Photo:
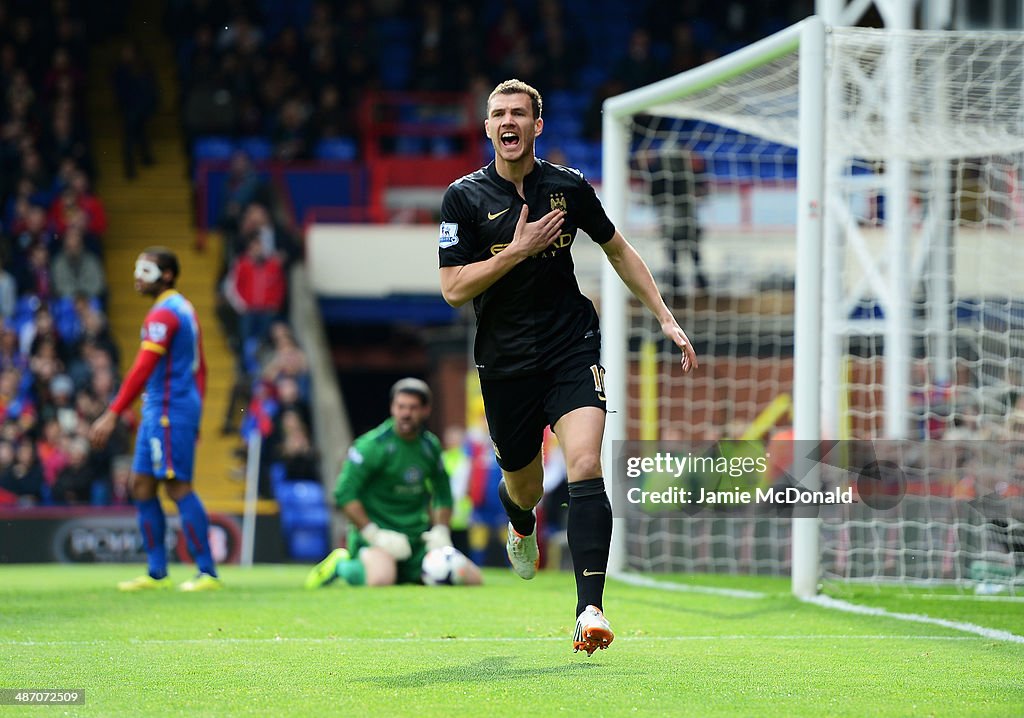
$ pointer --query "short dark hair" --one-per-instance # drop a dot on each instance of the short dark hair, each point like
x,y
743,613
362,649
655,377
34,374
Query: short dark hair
x,y
411,385
518,87
166,260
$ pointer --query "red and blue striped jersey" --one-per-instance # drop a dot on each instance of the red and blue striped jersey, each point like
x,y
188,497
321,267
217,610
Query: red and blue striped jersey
x,y
177,384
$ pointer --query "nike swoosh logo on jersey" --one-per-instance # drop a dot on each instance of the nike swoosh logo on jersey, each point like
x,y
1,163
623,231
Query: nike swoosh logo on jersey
x,y
497,214
588,572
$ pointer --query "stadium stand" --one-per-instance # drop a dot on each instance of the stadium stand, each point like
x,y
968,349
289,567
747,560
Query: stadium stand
x,y
287,111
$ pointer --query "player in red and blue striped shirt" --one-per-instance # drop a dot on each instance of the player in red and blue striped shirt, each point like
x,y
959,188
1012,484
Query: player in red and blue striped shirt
x,y
170,367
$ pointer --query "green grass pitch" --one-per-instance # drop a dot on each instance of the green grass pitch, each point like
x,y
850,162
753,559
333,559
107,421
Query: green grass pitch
x,y
266,647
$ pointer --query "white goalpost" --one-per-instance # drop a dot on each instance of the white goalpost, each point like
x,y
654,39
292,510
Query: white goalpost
x,y
835,214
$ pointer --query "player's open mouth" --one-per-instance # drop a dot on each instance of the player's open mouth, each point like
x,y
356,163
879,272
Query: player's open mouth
x,y
509,139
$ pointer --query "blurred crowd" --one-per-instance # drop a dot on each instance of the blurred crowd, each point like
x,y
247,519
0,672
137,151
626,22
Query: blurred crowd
x,y
296,72
58,360
271,389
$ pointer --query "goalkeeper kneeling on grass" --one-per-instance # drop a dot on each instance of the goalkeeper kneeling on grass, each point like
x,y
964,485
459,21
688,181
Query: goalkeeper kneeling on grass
x,y
397,497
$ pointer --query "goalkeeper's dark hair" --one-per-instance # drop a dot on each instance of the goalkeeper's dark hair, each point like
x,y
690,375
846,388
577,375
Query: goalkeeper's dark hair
x,y
411,385
518,87
166,260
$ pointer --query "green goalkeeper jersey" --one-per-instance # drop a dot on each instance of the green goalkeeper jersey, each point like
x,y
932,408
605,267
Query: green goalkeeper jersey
x,y
396,480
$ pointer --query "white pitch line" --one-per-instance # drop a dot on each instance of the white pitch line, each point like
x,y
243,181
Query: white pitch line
x,y
635,580
481,639
966,597
989,633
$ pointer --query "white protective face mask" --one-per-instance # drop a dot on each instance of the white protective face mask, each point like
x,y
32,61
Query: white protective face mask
x,y
147,271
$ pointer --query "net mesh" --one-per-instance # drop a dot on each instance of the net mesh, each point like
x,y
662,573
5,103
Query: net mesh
x,y
712,206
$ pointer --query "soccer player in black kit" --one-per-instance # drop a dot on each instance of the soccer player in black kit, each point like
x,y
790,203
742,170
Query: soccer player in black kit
x,y
505,239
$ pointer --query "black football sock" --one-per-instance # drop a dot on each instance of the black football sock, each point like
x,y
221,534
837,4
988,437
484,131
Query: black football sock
x,y
523,520
589,530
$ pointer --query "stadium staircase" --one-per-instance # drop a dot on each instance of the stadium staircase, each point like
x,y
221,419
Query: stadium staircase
x,y
155,209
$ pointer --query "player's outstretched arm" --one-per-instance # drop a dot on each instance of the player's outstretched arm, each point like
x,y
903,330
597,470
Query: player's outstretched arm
x,y
635,274
462,283
131,387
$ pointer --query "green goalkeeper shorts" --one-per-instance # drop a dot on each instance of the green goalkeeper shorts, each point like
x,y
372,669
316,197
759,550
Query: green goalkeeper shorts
x,y
409,571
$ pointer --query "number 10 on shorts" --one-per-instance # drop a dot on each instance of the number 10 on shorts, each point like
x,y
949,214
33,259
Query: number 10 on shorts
x,y
598,372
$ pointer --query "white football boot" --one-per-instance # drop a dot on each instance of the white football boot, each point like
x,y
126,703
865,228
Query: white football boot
x,y
592,631
523,553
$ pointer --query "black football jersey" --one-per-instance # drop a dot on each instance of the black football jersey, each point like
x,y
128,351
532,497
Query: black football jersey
x,y
535,316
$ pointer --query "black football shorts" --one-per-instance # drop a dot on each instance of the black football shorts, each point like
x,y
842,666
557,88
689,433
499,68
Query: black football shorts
x,y
519,408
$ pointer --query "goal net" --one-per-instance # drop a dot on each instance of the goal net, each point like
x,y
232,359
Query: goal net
x,y
919,344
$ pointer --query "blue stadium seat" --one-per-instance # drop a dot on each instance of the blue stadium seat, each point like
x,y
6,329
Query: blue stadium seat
x,y
309,544
258,148
26,306
563,126
65,318
345,149
300,493
395,65
577,150
442,146
298,517
305,518
212,148
410,145
563,102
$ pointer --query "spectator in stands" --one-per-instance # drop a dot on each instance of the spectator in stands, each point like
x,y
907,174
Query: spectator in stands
x,y
504,35
137,94
120,481
560,63
60,402
8,293
24,196
360,76
30,229
6,464
295,450
77,271
10,354
677,183
639,67
24,477
330,119
242,186
592,117
40,333
463,46
52,450
257,292
323,28
684,52
287,359
75,481
63,72
10,390
77,197
94,328
36,277
257,220
67,141
291,135
241,35
289,398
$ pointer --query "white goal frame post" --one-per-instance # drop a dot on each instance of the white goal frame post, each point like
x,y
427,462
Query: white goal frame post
x,y
821,229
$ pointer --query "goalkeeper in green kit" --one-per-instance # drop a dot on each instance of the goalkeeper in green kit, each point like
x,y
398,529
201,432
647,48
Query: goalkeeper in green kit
x,y
397,497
